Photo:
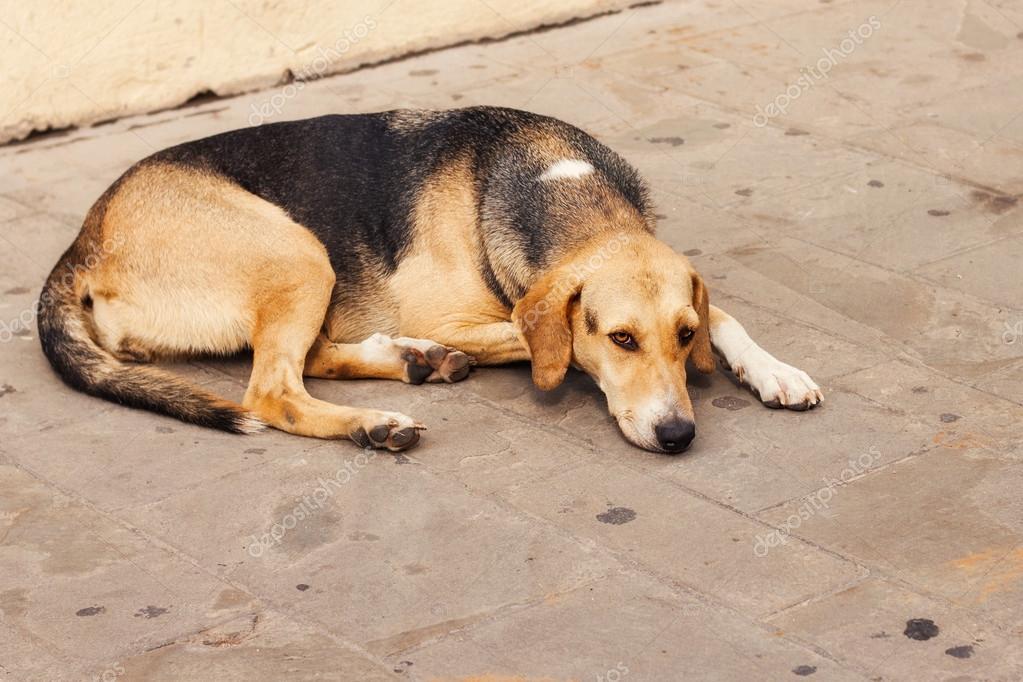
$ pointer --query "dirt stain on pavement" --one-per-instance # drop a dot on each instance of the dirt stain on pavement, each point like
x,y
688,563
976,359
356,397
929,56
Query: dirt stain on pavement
x,y
616,516
673,140
994,203
90,611
999,570
730,403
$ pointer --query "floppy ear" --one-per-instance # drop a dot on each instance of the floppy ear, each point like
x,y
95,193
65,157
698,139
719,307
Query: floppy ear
x,y
702,355
542,318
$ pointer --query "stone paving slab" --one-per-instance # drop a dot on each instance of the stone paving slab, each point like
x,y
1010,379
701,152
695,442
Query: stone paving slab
x,y
867,624
264,645
946,522
87,589
377,548
635,629
953,331
628,510
957,414
959,272
869,233
939,218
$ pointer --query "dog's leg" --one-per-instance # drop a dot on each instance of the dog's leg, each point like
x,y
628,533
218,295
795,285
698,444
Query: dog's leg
x,y
417,360
777,384
490,343
381,357
288,325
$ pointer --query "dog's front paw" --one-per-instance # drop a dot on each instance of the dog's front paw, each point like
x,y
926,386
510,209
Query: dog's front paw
x,y
778,384
387,430
432,362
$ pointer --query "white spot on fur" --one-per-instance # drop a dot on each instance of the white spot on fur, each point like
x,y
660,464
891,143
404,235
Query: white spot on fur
x,y
567,169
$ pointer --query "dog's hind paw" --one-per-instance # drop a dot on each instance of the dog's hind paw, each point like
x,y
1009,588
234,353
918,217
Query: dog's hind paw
x,y
387,430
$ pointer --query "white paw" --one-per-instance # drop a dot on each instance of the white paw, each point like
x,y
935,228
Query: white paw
x,y
778,384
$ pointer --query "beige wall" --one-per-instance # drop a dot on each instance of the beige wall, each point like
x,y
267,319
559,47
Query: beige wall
x,y
68,63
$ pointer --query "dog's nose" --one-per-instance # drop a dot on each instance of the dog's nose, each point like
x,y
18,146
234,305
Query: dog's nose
x,y
675,435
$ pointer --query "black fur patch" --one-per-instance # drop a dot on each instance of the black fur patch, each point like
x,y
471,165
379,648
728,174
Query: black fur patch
x,y
591,321
354,180
350,179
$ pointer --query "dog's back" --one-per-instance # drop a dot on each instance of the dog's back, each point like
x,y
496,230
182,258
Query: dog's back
x,y
355,180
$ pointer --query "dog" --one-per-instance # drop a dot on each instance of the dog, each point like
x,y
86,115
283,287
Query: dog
x,y
406,245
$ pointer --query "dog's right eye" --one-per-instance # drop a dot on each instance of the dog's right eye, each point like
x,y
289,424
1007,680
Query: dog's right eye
x,y
624,339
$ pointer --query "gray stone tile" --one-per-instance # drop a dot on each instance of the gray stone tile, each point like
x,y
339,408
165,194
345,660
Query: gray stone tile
x,y
263,646
375,548
635,514
87,589
76,154
947,523
891,215
945,329
993,163
954,415
67,201
864,627
11,209
26,657
989,110
1007,381
989,272
634,629
489,449
122,457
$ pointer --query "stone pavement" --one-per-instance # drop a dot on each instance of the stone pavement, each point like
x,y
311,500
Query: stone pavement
x,y
853,200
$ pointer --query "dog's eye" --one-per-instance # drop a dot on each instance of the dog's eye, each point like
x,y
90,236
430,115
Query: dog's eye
x,y
684,335
625,340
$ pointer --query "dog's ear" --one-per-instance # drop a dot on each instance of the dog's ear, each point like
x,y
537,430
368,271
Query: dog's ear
x,y
702,355
542,317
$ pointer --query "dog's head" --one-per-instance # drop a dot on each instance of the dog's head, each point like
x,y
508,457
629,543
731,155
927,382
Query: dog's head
x,y
629,312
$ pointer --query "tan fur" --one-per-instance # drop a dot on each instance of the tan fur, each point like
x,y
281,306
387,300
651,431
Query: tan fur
x,y
439,291
702,354
243,275
543,317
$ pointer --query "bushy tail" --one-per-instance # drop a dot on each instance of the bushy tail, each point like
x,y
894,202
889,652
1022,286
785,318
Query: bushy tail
x,y
64,331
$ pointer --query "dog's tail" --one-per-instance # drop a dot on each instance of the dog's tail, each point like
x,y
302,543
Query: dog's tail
x,y
65,333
